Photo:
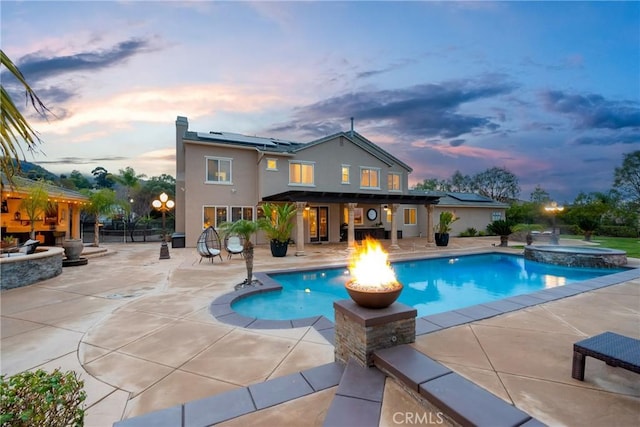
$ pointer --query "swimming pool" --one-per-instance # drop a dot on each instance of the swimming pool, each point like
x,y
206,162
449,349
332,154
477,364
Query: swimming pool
x,y
431,286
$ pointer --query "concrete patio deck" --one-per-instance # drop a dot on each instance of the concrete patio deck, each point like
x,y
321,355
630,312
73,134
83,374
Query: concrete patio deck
x,y
140,332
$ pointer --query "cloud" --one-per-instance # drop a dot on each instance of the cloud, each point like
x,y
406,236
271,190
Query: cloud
x,y
426,110
592,111
627,138
456,142
79,160
39,66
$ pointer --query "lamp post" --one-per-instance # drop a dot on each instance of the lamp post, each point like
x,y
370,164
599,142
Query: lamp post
x,y
163,205
553,209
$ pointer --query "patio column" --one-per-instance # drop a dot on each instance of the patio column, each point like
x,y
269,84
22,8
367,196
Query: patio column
x,y
74,214
300,228
351,233
430,231
394,226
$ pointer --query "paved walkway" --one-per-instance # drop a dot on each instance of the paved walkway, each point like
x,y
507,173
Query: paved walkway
x,y
139,331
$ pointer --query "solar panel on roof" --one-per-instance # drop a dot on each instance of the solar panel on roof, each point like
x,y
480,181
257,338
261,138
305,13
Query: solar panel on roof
x,y
236,137
469,197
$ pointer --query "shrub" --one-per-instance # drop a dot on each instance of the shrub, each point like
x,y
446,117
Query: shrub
x,y
469,232
41,398
499,228
617,231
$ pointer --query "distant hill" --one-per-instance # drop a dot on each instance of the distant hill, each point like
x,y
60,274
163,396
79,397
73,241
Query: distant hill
x,y
33,171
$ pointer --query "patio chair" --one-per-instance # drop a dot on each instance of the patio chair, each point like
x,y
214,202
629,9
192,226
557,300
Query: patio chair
x,y
614,349
234,246
208,245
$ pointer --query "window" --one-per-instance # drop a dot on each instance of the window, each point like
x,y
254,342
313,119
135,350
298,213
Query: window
x,y
219,170
214,216
410,216
272,164
393,182
301,173
345,174
370,178
496,216
241,212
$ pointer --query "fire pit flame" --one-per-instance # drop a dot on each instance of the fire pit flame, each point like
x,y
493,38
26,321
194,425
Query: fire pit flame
x,y
374,282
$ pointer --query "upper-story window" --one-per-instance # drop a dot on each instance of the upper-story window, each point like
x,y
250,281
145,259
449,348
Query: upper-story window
x,y
301,173
345,174
272,164
219,170
370,178
393,182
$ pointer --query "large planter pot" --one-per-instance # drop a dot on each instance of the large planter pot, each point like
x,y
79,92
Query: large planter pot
x,y
72,248
278,248
442,239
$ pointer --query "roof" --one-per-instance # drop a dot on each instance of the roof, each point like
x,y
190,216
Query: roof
x,y
467,200
335,197
22,185
277,145
363,143
230,138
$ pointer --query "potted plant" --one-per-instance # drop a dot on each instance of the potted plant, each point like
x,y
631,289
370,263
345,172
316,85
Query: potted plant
x,y
444,227
528,228
501,228
278,225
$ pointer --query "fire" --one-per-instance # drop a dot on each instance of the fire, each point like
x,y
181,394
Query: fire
x,y
370,268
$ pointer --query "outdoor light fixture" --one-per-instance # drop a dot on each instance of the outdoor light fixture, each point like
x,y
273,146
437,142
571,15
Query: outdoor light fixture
x,y
553,208
163,205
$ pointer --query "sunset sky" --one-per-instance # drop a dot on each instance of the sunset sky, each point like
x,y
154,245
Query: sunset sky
x,y
548,90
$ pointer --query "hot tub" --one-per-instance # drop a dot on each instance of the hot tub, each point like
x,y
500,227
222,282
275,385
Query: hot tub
x,y
576,256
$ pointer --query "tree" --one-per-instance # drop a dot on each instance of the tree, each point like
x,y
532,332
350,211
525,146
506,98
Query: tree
x,y
102,178
101,202
35,204
245,229
540,196
461,183
627,178
432,184
587,212
498,184
15,128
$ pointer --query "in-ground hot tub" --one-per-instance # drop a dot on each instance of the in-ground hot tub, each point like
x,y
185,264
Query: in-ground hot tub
x,y
576,256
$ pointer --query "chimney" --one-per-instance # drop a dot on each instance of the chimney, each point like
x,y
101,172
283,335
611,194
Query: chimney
x,y
351,127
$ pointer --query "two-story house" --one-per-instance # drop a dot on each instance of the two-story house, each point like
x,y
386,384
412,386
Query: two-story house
x,y
344,186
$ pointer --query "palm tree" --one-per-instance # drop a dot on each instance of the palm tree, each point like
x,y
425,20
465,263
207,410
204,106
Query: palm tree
x,y
245,229
100,202
15,127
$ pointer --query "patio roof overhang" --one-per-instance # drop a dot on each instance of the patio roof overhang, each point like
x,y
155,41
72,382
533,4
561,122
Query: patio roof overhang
x,y
334,197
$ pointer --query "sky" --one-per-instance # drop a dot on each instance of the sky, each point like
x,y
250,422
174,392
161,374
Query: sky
x,y
548,90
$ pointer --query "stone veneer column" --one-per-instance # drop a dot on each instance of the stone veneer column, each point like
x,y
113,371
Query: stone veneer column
x,y
360,331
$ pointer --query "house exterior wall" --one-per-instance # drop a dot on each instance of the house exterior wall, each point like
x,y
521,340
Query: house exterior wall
x,y
241,192
470,217
252,181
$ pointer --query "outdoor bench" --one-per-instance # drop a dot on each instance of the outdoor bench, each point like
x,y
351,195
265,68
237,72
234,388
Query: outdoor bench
x,y
614,349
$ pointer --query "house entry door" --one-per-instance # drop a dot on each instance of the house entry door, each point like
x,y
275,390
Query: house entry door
x,y
319,224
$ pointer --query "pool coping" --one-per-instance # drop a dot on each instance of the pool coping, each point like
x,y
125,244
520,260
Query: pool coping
x,y
221,309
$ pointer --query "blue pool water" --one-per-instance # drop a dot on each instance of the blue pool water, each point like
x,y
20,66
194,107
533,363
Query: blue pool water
x,y
430,285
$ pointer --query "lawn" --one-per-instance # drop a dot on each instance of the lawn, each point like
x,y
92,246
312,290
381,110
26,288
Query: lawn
x,y
630,245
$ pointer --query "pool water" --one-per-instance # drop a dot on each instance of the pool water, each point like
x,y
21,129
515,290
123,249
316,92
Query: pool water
x,y
430,285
